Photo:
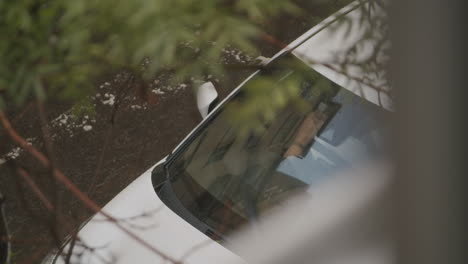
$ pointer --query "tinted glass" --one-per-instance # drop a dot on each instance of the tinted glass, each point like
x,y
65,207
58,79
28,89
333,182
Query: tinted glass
x,y
226,180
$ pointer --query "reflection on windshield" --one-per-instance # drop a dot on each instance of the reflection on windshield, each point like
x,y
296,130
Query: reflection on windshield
x,y
226,180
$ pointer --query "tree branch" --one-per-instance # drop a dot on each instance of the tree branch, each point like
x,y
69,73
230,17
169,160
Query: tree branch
x,y
75,190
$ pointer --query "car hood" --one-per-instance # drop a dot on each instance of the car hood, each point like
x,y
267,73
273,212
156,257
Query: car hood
x,y
140,210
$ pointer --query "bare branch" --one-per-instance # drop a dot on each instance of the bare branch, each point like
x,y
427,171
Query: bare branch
x,y
271,39
74,189
22,142
195,248
37,191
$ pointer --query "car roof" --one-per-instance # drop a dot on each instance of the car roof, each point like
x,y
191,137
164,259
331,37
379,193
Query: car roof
x,y
325,47
307,45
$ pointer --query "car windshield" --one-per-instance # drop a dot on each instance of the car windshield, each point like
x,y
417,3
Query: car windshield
x,y
226,180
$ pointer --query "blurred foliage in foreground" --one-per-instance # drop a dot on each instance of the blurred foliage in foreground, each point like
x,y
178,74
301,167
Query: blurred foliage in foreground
x,y
58,48
357,60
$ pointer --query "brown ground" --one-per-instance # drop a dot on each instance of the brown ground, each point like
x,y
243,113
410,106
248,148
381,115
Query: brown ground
x,y
144,131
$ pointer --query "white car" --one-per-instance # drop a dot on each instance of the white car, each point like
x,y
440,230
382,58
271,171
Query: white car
x,y
186,207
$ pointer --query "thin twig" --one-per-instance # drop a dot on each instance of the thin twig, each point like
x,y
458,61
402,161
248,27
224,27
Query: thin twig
x,y
22,142
35,256
59,219
122,92
22,113
37,191
271,39
74,189
25,241
193,249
